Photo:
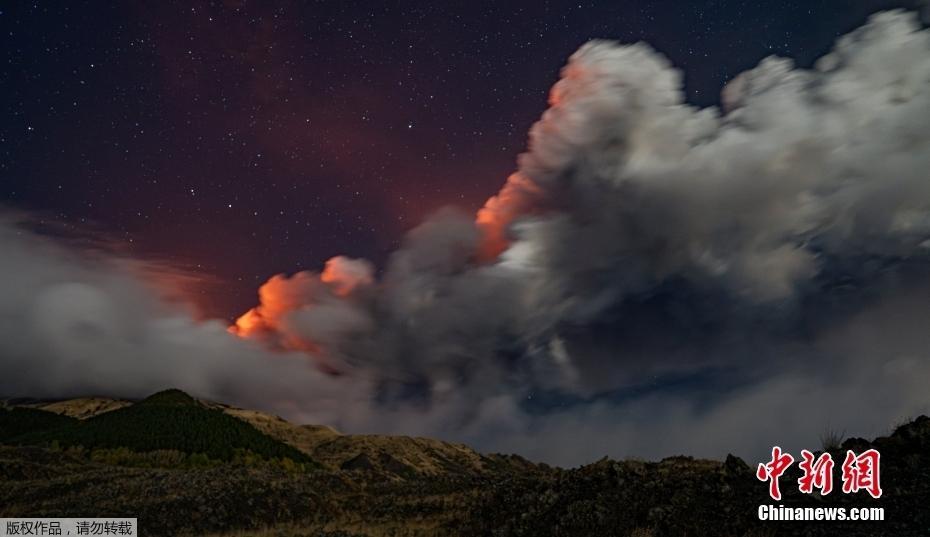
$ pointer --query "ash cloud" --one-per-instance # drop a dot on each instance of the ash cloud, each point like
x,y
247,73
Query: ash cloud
x,y
653,279
77,322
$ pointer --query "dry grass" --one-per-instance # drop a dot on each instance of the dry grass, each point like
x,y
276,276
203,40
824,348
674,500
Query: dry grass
x,y
83,408
332,448
831,439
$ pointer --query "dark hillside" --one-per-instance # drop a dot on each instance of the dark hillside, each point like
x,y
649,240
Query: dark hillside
x,y
17,421
169,420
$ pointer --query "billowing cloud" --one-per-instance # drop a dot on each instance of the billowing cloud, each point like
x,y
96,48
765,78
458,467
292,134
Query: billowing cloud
x,y
76,322
654,278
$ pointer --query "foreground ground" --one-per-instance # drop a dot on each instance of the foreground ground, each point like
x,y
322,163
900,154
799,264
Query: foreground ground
x,y
380,486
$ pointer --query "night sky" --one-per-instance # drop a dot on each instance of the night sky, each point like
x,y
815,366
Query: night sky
x,y
238,140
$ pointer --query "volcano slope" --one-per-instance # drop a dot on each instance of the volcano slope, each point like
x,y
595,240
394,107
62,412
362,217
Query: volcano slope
x,y
242,472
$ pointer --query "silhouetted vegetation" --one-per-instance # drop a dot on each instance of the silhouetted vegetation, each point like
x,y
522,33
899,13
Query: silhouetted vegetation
x,y
17,421
831,439
170,420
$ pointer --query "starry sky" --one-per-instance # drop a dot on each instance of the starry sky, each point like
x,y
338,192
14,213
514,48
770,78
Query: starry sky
x,y
237,140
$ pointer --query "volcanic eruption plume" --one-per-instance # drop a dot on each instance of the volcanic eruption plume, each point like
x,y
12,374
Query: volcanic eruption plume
x,y
652,279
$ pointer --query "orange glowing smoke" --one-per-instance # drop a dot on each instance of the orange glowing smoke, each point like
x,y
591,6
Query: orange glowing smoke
x,y
518,196
344,275
281,296
347,279
248,324
277,297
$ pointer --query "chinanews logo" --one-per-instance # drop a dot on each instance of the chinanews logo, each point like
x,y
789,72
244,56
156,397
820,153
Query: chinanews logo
x,y
860,472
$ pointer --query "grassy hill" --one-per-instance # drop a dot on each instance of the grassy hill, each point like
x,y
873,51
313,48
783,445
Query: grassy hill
x,y
18,421
386,455
169,420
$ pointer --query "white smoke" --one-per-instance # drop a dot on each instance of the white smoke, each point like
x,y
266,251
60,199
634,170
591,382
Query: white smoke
x,y
79,323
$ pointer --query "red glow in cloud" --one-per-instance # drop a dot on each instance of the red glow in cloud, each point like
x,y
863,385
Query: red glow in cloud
x,y
282,297
248,324
284,301
345,275
517,197
277,297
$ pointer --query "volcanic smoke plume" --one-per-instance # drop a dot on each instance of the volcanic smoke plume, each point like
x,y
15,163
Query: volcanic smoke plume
x,y
654,278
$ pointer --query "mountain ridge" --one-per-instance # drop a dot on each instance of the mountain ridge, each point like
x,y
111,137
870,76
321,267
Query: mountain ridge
x,y
392,456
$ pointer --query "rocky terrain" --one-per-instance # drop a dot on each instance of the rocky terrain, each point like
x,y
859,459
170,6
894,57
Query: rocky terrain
x,y
381,485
